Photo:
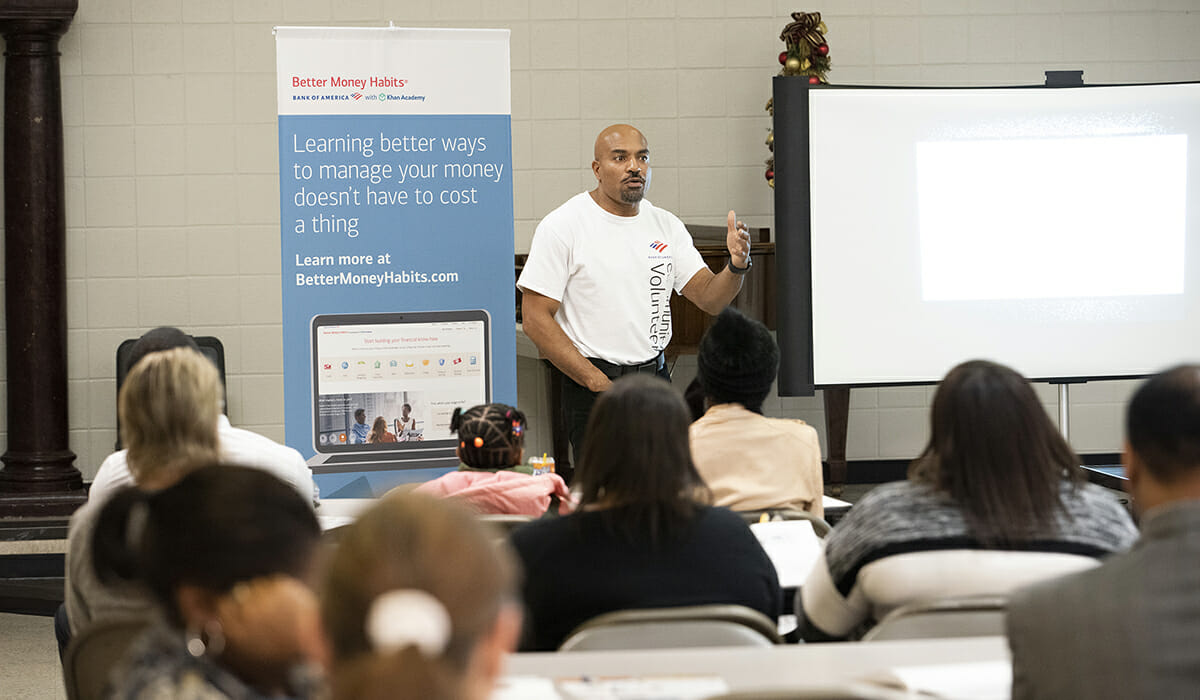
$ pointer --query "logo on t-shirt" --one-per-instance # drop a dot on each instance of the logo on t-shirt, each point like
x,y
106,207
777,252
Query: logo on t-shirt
x,y
659,246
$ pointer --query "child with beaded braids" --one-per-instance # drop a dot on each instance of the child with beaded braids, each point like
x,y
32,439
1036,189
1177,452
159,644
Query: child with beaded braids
x,y
491,478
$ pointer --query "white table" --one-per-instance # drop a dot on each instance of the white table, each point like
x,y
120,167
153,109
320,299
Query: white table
x,y
788,666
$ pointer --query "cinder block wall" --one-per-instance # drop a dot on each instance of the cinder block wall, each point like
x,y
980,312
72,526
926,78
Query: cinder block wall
x,y
171,160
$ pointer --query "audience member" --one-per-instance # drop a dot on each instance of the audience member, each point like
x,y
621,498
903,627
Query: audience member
x,y
490,477
643,536
418,603
749,461
1129,628
225,552
237,446
168,406
379,432
994,502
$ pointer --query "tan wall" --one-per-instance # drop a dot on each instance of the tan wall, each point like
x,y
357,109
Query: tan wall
x,y
171,157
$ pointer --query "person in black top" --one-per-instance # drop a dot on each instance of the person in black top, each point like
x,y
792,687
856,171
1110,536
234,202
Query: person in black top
x,y
644,535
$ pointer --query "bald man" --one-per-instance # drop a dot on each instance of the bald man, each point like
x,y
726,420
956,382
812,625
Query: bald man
x,y
601,269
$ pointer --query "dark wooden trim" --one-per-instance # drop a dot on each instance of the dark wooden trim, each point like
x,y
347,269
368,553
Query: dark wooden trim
x,y
39,476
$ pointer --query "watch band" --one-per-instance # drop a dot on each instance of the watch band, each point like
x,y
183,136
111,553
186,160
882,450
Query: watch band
x,y
739,270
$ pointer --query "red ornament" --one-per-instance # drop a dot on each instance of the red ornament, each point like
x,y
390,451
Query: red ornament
x,y
770,174
823,49
814,80
782,57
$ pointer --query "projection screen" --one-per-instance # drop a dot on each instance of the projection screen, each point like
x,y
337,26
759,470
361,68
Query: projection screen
x,y
1052,229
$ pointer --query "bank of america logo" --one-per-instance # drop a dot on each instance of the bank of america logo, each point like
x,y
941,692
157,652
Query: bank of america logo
x,y
659,246
357,95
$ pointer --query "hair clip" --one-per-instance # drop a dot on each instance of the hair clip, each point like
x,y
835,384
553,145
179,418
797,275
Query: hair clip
x,y
462,444
408,617
517,428
479,442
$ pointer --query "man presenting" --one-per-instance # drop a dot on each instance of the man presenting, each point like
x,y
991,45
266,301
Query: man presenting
x,y
601,268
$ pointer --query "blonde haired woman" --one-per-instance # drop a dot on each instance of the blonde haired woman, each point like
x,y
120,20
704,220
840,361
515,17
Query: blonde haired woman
x,y
168,407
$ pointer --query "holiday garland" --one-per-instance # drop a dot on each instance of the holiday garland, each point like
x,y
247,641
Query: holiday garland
x,y
807,54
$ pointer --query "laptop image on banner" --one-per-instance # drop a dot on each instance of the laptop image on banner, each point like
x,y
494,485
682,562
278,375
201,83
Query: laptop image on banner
x,y
385,385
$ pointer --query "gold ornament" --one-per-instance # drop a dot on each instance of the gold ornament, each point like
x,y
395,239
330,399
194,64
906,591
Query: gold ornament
x,y
792,65
770,138
805,64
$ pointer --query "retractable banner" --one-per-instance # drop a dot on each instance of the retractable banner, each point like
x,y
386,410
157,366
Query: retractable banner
x,y
396,216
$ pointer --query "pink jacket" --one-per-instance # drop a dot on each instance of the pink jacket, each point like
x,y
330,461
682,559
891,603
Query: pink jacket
x,y
502,492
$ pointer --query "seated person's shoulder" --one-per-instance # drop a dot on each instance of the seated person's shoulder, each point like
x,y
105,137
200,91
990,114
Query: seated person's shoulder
x,y
1094,513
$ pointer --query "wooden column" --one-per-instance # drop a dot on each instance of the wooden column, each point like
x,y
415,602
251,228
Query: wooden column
x,y
39,476
837,425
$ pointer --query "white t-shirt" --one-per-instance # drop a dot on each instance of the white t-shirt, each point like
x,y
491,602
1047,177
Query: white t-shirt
x,y
612,275
237,446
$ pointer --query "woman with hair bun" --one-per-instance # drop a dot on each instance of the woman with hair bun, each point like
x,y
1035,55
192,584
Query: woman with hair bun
x,y
419,603
490,478
225,553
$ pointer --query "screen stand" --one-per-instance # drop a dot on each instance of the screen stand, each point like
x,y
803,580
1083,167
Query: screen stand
x,y
1064,408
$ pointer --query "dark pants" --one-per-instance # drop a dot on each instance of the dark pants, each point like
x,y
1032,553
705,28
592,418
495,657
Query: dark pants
x,y
577,401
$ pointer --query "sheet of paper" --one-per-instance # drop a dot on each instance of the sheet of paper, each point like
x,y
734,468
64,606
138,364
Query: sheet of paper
x,y
793,547
978,680
648,688
525,688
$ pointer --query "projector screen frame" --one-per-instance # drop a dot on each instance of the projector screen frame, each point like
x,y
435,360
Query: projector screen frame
x,y
793,233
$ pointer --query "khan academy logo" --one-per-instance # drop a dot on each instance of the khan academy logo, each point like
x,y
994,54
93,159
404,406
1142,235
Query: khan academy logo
x,y
659,246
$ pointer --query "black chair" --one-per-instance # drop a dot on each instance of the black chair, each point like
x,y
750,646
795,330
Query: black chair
x,y
210,347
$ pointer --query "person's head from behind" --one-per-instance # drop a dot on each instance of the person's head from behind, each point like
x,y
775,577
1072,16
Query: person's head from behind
x,y
995,451
157,340
636,458
490,436
418,602
737,361
1162,438
169,406
227,552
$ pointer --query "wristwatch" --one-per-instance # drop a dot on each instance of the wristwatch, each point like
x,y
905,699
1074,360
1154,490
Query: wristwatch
x,y
739,270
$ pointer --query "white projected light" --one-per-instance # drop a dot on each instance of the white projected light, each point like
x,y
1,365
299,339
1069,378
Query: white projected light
x,y
1026,206
1053,230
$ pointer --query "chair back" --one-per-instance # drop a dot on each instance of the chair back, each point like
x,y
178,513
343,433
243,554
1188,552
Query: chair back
x,y
819,525
678,627
210,346
974,616
93,653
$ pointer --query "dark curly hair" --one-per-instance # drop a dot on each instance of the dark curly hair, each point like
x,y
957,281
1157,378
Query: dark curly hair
x,y
490,436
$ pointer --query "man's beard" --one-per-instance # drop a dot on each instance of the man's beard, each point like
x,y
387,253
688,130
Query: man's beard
x,y
633,196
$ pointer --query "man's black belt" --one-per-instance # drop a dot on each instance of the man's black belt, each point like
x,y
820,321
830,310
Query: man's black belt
x,y
612,370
